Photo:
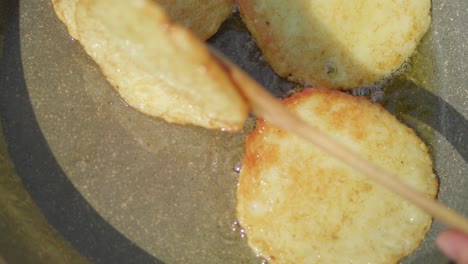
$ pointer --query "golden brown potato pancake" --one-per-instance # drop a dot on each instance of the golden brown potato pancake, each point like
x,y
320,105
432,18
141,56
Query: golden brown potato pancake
x,y
158,67
338,44
297,204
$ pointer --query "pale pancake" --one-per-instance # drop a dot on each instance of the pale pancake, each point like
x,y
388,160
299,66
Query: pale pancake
x,y
337,44
158,67
297,204
202,17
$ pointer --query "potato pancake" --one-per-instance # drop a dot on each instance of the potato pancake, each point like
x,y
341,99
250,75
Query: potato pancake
x,y
65,10
202,17
158,67
337,44
298,204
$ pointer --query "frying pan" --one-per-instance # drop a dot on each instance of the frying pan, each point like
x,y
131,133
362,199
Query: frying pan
x,y
84,178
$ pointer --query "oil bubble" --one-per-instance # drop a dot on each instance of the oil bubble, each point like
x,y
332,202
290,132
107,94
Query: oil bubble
x,y
237,167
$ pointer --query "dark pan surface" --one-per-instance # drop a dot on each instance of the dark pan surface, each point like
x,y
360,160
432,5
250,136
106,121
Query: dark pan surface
x,y
117,186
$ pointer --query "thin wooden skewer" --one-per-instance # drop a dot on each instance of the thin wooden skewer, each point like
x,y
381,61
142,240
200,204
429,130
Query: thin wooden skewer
x,y
267,106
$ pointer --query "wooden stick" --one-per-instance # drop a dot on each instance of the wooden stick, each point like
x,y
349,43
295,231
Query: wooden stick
x,y
267,106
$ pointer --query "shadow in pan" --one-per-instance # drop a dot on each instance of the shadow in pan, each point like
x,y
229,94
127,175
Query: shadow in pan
x,y
61,203
408,99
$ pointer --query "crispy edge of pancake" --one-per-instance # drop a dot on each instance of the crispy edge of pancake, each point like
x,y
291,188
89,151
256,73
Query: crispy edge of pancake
x,y
204,19
211,100
263,157
65,10
322,49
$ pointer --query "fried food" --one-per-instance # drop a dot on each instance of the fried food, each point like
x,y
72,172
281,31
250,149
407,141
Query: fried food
x,y
158,67
337,44
297,204
202,17
65,10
